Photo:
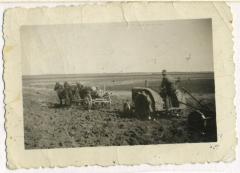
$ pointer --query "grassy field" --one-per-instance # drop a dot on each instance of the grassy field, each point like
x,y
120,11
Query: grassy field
x,y
47,126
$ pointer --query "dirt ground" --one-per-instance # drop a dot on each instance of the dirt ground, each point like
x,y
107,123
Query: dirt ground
x,y
46,125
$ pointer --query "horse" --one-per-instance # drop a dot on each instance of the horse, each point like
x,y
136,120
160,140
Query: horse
x,y
69,89
75,92
62,94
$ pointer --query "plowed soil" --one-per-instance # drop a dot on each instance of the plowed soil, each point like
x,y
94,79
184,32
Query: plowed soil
x,y
48,125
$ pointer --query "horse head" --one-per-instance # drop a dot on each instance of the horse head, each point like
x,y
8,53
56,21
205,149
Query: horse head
x,y
79,86
66,85
57,86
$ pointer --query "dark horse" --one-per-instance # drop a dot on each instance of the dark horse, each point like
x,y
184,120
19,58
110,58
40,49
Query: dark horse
x,y
63,94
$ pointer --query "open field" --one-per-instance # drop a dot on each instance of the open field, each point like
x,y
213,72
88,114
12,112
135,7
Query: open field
x,y
47,126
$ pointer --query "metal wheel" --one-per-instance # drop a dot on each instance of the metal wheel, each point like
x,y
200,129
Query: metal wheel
x,y
87,102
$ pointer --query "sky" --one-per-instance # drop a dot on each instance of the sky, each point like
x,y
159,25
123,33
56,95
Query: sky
x,y
177,45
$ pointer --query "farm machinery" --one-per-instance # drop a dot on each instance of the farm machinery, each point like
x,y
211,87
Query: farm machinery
x,y
202,117
86,96
89,102
147,103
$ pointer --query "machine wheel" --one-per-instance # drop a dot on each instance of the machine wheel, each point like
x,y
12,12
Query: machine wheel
x,y
87,102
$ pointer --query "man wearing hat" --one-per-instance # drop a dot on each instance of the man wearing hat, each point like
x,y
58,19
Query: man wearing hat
x,y
168,91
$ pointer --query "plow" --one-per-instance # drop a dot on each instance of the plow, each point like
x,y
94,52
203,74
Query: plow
x,y
100,102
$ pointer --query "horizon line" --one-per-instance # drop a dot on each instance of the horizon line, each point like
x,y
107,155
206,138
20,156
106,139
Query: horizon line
x,y
116,73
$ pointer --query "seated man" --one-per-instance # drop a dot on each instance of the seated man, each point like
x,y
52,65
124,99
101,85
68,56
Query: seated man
x,y
168,92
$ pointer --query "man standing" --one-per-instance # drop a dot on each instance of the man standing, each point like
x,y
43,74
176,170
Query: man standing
x,y
168,92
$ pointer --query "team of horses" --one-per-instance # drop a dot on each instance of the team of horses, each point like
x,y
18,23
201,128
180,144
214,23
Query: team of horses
x,y
74,93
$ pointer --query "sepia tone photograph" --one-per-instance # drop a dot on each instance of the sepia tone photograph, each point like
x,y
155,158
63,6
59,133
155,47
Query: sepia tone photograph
x,y
118,84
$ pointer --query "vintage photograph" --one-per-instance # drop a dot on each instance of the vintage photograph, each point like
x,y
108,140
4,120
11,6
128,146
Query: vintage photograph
x,y
118,84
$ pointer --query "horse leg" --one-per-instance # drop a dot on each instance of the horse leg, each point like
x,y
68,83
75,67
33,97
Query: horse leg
x,y
60,99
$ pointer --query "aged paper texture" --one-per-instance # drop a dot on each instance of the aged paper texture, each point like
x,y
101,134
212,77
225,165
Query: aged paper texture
x,y
24,56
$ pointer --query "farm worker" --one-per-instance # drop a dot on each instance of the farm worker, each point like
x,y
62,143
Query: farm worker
x,y
168,91
94,92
